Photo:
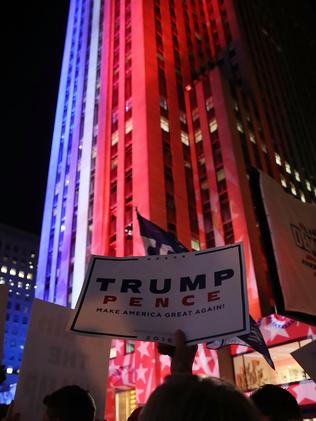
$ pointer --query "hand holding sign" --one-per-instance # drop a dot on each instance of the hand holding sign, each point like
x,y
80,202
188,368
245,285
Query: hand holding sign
x,y
182,355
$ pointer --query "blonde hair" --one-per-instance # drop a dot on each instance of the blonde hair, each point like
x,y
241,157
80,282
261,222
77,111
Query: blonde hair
x,y
188,397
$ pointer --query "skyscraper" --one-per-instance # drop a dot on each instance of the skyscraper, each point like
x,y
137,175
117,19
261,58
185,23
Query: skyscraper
x,y
166,105
18,261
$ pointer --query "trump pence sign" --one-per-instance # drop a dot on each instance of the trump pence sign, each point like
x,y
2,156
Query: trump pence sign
x,y
149,298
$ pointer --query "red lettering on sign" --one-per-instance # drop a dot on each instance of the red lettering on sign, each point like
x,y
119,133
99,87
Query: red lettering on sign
x,y
213,296
135,301
162,302
186,302
109,298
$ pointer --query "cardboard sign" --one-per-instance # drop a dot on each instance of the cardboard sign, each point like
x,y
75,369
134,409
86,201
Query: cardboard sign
x,y
54,358
149,298
306,357
292,226
3,312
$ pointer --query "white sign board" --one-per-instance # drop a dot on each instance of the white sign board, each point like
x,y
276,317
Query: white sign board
x,y
292,225
149,298
306,357
3,313
54,358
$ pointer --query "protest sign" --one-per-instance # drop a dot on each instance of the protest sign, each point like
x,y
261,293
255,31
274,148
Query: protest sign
x,y
306,357
54,358
292,228
3,312
148,298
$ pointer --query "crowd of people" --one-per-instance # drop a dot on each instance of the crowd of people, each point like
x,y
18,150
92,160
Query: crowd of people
x,y
182,397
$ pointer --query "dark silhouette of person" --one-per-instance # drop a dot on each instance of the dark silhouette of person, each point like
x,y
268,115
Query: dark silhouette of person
x,y
70,403
276,404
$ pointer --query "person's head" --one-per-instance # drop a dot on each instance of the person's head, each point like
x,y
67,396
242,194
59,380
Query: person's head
x,y
186,398
69,403
276,403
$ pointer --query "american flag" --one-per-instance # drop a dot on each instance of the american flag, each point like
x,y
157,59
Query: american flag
x,y
159,242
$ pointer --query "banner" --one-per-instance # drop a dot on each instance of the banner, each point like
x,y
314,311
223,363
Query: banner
x,y
306,357
292,228
3,312
54,358
149,298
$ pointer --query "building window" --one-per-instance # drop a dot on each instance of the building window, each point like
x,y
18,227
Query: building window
x,y
115,137
128,105
195,114
128,85
220,175
163,103
125,403
302,195
128,126
13,271
240,127
264,147
293,189
283,181
113,196
213,126
308,185
185,138
197,136
278,159
297,175
113,352
164,124
4,269
209,103
129,347
183,117
195,244
287,167
252,371
252,137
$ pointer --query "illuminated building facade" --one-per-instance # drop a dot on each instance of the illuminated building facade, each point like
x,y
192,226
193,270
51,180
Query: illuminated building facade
x,y
18,261
165,105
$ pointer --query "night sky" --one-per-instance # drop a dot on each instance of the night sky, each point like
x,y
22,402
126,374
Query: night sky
x,y
33,34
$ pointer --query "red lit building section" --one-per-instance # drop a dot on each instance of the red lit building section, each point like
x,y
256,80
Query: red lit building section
x,y
186,120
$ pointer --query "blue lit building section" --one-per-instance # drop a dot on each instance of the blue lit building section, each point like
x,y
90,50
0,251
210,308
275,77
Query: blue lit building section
x,y
18,261
65,229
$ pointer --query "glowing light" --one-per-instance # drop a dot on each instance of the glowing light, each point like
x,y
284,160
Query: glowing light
x,y
278,159
283,181
4,269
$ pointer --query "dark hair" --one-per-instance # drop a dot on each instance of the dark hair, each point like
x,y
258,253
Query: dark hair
x,y
70,403
187,398
276,403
